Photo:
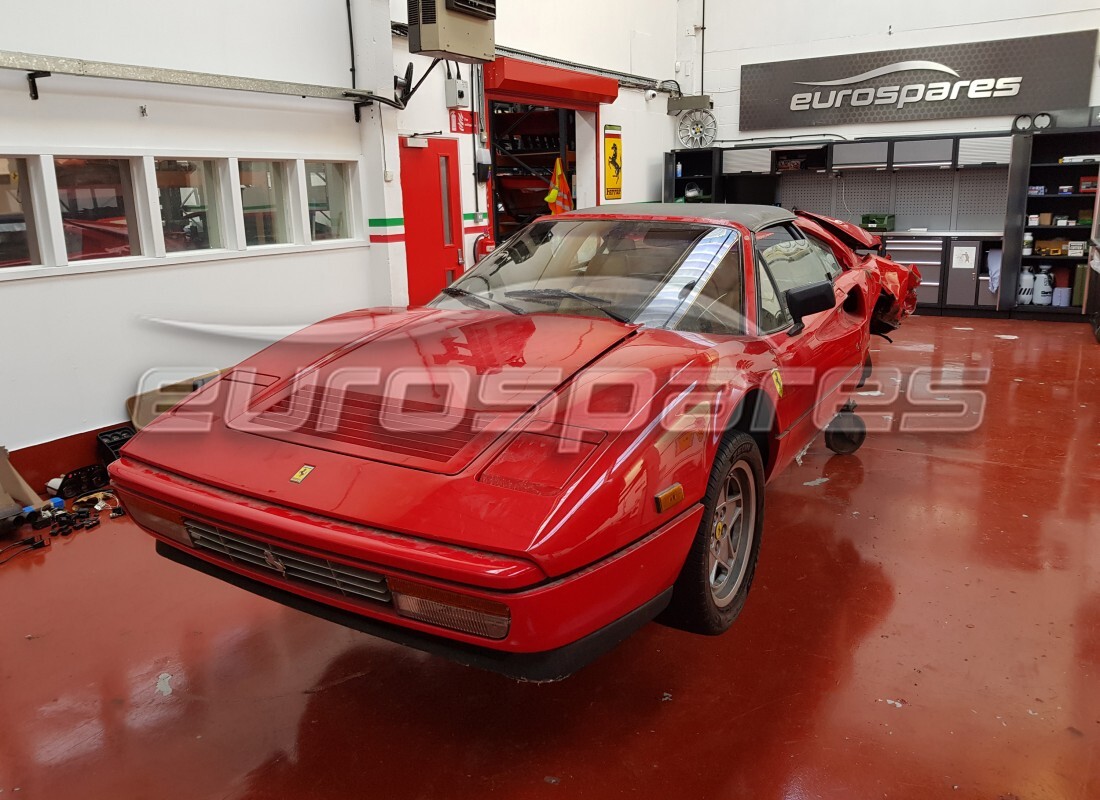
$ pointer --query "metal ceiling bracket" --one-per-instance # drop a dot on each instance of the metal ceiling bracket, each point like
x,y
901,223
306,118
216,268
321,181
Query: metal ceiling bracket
x,y
359,107
32,81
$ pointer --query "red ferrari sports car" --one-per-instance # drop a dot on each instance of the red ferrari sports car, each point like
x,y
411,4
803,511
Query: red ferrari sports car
x,y
570,441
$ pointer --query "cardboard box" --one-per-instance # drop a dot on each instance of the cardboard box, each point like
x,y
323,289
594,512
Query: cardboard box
x,y
1046,218
13,489
1079,281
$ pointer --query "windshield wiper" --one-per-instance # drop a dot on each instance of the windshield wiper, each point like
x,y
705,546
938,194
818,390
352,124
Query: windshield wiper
x,y
477,301
549,295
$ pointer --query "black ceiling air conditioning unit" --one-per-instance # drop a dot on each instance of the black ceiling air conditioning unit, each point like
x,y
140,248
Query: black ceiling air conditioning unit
x,y
459,30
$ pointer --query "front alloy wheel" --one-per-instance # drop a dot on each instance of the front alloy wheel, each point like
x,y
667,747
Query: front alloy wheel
x,y
732,534
717,573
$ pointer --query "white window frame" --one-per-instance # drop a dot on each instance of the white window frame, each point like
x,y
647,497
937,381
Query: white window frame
x,y
149,234
352,196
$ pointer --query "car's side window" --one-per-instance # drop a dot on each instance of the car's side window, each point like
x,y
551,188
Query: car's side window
x,y
771,314
825,253
719,307
792,260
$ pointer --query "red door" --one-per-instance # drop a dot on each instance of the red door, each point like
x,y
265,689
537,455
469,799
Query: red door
x,y
433,215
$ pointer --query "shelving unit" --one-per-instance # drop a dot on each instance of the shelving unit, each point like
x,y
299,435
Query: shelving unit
x,y
700,169
1047,170
526,141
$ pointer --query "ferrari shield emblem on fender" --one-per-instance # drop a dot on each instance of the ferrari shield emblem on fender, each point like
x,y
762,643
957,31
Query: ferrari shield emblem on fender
x,y
302,474
778,381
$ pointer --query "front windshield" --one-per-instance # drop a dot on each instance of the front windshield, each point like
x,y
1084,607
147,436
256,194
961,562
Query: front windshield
x,y
631,270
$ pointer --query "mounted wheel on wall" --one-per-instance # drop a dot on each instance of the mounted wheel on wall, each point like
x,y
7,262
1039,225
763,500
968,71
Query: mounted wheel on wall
x,y
697,128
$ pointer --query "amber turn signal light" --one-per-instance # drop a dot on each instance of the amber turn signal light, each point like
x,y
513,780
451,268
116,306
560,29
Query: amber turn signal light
x,y
673,495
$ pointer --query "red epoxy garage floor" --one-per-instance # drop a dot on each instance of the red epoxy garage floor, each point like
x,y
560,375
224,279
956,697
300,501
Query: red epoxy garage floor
x,y
924,623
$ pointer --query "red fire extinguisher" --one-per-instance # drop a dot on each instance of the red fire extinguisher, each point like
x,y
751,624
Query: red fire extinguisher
x,y
483,246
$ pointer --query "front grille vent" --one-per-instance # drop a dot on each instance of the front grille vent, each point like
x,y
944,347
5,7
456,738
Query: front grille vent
x,y
427,12
414,12
292,566
483,9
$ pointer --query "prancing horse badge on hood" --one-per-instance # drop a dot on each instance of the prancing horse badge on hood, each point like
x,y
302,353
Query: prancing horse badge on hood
x,y
302,474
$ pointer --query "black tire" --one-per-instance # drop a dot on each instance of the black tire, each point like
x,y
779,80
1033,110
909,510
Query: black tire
x,y
846,433
701,602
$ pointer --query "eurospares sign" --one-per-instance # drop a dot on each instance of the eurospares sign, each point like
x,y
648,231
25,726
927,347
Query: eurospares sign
x,y
981,79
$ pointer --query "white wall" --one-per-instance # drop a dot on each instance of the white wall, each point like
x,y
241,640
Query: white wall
x,y
648,131
243,37
74,352
634,36
783,30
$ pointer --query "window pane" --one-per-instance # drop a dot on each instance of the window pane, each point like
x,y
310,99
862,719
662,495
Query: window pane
x,y
18,243
263,193
825,253
719,307
773,314
636,269
97,207
328,200
188,204
792,261
445,194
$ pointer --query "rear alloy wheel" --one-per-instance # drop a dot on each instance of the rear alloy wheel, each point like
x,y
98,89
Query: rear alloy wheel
x,y
718,571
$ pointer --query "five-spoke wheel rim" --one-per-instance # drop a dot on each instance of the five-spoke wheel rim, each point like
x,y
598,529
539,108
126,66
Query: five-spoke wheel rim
x,y
732,526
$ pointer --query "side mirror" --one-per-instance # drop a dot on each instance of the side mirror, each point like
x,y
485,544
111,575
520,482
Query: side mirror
x,y
812,298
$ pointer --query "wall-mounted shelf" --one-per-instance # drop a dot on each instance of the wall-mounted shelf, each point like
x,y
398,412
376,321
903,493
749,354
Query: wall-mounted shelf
x,y
1058,228
1055,258
1079,164
1031,307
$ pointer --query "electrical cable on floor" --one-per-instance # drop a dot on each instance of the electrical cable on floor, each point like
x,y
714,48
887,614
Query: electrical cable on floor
x,y
38,545
21,542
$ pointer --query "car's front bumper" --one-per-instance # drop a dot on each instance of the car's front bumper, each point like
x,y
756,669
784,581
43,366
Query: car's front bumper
x,y
556,623
549,665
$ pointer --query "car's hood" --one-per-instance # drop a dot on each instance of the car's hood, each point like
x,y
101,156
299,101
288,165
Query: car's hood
x,y
431,391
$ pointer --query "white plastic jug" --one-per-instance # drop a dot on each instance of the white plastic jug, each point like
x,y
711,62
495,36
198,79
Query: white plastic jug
x,y
1044,287
1027,287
